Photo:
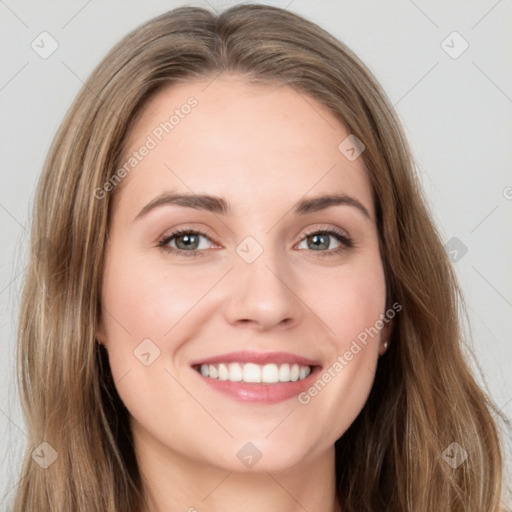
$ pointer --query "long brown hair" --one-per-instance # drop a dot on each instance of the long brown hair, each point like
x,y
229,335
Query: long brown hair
x,y
424,397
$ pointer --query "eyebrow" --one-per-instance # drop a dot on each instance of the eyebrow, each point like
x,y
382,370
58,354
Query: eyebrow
x,y
219,205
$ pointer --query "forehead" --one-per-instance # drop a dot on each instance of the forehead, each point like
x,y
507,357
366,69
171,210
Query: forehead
x,y
253,144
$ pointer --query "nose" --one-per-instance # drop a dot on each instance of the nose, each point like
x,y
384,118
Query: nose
x,y
262,294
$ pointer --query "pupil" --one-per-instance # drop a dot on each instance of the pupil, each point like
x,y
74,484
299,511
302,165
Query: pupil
x,y
187,239
318,237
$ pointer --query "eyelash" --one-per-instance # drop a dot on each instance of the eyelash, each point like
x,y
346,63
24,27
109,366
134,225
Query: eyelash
x,y
345,240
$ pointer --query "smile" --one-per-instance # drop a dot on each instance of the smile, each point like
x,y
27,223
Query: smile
x,y
255,373
255,376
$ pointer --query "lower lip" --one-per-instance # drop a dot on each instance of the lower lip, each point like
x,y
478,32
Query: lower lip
x,y
263,393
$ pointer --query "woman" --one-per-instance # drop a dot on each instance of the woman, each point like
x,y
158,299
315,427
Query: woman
x,y
243,301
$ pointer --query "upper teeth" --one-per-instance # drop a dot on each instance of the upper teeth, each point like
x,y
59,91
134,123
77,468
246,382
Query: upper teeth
x,y
250,372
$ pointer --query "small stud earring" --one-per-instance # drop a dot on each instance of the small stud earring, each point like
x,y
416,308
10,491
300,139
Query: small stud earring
x,y
385,345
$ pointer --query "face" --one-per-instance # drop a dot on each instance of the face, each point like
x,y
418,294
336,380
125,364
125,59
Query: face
x,y
205,297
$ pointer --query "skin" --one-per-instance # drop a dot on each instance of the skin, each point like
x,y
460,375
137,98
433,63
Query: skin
x,y
248,144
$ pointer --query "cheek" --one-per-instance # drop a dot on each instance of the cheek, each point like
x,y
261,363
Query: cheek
x,y
148,315
350,301
153,308
146,300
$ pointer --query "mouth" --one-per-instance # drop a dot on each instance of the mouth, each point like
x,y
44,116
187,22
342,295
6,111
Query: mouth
x,y
258,376
255,373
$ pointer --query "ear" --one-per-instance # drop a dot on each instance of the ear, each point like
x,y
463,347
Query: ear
x,y
385,337
101,336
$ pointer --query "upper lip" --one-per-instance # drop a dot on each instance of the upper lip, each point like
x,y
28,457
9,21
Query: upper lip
x,y
251,356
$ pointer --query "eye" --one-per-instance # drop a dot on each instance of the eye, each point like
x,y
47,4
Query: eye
x,y
187,242
320,240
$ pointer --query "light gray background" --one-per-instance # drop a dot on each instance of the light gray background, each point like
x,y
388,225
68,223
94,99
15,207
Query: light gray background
x,y
457,114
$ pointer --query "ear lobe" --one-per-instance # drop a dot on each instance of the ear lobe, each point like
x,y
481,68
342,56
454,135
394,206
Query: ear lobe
x,y
385,337
100,334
